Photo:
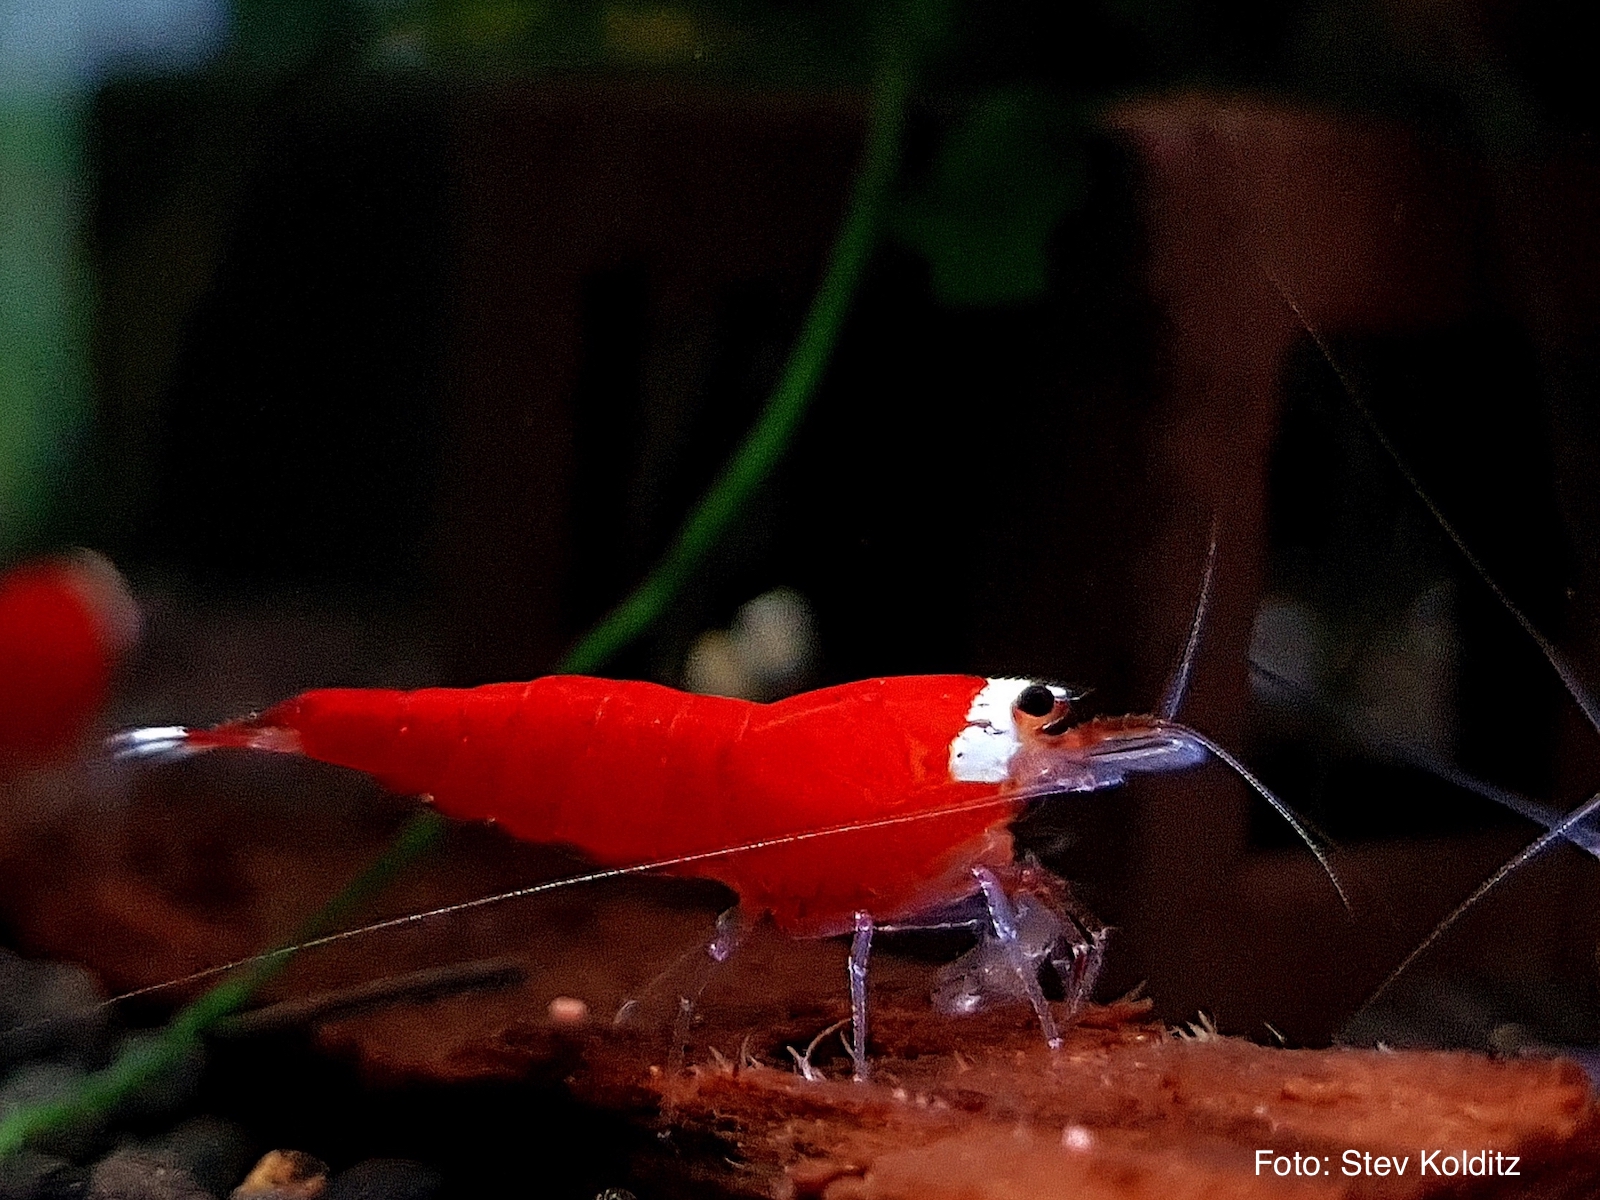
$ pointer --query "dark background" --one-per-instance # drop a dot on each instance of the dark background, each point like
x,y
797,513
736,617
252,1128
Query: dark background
x,y
414,343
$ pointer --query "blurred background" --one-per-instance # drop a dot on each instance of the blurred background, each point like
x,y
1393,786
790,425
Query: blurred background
x,y
388,342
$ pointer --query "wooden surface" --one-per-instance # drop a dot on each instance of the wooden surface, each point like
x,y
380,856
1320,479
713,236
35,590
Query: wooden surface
x,y
980,1108
959,1107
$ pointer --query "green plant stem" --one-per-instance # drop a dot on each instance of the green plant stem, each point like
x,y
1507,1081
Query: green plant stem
x,y
749,466
766,442
43,303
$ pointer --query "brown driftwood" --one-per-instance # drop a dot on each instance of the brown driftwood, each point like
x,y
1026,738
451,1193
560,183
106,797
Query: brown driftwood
x,y
975,1107
1129,1111
980,1108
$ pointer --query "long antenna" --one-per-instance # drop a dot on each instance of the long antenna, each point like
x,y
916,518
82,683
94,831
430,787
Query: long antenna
x,y
661,864
1558,832
1558,662
538,889
1585,837
1283,810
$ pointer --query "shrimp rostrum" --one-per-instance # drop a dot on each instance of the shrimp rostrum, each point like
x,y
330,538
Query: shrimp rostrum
x,y
883,804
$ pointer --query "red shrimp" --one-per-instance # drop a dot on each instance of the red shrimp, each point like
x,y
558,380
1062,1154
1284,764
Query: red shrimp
x,y
627,772
914,778
64,623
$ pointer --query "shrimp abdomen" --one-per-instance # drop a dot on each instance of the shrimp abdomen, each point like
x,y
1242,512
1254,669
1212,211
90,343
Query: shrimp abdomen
x,y
620,770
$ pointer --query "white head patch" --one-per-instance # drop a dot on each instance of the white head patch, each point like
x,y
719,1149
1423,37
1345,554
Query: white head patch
x,y
982,751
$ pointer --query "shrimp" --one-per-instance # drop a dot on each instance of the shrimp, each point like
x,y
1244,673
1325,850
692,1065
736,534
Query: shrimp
x,y
914,778
64,623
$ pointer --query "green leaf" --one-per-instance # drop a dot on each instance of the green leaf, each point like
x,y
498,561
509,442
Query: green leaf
x,y
1002,179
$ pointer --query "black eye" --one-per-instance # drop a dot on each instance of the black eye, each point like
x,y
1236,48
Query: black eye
x,y
1036,700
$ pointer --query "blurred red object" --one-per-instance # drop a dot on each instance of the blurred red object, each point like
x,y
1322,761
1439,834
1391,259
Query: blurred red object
x,y
64,624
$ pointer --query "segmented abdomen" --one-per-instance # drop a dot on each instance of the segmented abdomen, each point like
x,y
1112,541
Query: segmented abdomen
x,y
618,769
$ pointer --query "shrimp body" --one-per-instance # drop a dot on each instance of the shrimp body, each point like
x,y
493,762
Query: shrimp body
x,y
629,772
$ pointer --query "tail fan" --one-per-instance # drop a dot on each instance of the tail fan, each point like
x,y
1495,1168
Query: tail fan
x,y
168,743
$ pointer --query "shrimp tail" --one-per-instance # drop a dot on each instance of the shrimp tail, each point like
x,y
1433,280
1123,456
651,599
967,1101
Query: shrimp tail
x,y
166,743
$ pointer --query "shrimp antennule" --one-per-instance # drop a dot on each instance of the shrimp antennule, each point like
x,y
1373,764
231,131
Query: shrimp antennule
x,y
1558,832
1584,835
1178,685
1570,680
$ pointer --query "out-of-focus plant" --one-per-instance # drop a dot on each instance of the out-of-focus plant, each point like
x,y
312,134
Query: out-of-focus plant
x,y
43,399
1002,179
52,57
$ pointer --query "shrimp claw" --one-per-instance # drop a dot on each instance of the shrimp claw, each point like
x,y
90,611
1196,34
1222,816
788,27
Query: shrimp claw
x,y
1031,919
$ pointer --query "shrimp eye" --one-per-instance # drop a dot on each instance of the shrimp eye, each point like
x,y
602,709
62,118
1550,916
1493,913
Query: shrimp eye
x,y
1036,700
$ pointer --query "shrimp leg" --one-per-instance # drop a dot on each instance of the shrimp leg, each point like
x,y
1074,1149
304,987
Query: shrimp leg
x,y
732,930
1028,918
1003,917
860,950
1079,971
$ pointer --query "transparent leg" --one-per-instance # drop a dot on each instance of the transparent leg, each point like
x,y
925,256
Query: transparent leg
x,y
1003,919
1079,970
860,951
1025,918
687,981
